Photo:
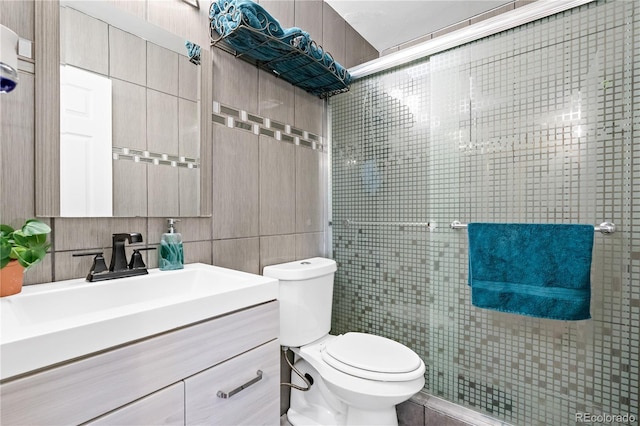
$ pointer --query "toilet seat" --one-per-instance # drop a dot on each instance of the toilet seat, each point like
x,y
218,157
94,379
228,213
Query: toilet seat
x,y
372,357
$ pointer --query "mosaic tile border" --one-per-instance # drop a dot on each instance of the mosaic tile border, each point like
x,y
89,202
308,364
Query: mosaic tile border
x,y
236,118
154,158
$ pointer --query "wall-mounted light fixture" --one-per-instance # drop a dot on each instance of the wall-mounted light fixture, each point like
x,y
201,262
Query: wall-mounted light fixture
x,y
8,59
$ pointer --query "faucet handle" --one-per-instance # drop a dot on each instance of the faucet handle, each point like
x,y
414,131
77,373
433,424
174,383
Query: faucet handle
x,y
136,261
99,264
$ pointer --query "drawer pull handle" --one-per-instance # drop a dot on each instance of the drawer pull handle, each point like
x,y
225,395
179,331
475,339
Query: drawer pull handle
x,y
255,380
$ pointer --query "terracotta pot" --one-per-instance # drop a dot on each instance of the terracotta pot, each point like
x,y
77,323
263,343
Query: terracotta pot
x,y
11,279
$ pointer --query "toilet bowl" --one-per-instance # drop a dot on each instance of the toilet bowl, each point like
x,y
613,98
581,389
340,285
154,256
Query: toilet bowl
x,y
358,378
367,400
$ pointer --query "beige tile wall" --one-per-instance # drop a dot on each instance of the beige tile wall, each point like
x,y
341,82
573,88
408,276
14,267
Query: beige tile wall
x,y
236,171
90,49
269,196
125,51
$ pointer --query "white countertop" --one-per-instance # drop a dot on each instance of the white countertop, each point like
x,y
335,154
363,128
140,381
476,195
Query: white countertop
x,y
50,323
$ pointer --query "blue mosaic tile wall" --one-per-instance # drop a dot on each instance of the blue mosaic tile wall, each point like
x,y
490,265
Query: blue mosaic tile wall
x,y
539,124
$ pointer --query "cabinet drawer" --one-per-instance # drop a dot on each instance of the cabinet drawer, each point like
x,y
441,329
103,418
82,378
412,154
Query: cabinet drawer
x,y
165,407
257,404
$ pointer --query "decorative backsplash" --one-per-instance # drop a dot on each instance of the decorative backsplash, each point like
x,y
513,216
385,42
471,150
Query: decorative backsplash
x,y
239,119
532,125
155,158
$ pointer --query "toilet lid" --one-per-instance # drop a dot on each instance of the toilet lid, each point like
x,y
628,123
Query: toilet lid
x,y
374,357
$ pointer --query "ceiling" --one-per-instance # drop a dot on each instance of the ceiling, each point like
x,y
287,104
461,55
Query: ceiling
x,y
386,24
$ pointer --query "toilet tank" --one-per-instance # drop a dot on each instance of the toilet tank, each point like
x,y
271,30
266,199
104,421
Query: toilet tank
x,y
306,296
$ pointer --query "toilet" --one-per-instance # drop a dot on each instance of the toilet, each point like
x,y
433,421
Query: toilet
x,y
358,378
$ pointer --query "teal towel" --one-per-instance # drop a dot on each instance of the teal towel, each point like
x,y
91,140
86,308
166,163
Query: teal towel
x,y
250,30
536,270
194,51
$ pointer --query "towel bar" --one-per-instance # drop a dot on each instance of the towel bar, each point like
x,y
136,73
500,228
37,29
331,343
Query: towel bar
x,y
604,227
349,222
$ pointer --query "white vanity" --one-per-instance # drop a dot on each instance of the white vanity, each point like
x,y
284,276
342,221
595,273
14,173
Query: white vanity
x,y
197,346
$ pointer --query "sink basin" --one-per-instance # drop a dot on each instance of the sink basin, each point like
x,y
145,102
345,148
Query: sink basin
x,y
56,322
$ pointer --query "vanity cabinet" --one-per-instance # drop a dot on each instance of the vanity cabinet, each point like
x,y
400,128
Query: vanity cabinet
x,y
164,379
208,399
162,408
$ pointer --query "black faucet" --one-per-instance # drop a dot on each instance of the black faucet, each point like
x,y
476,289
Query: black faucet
x,y
120,267
118,256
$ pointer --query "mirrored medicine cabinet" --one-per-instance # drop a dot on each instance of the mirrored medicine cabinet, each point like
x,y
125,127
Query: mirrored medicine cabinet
x,y
121,134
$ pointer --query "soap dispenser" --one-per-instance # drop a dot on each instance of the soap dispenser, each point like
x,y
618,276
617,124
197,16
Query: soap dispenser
x,y
171,255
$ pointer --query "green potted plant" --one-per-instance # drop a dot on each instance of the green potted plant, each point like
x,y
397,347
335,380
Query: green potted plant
x,y
19,250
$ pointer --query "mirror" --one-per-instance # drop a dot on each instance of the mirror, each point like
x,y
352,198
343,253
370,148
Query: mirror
x,y
131,109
